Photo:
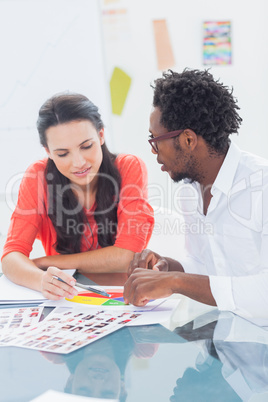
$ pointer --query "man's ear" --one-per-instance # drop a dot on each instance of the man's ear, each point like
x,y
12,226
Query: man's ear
x,y
190,139
101,135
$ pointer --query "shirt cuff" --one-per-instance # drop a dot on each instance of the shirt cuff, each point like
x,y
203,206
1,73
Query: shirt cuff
x,y
192,265
221,288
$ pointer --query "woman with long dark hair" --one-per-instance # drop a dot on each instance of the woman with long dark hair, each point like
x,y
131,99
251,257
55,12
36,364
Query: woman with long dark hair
x,y
88,206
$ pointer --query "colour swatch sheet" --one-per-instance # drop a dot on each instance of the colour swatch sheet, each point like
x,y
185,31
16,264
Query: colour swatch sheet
x,y
86,297
116,301
66,329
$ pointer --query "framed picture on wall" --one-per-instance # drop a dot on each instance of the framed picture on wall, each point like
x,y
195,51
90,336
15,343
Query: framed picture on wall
x,y
217,42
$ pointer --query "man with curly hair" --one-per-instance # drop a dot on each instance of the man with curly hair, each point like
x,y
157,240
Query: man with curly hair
x,y
223,191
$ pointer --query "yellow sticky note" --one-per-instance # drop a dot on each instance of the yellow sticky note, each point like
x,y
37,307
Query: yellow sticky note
x,y
164,52
119,85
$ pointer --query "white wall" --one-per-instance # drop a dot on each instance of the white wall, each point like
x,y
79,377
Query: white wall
x,y
46,47
135,53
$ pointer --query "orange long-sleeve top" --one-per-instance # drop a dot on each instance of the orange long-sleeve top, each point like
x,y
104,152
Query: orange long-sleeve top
x,y
30,219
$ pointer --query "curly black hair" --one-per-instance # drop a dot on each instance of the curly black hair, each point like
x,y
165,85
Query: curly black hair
x,y
194,99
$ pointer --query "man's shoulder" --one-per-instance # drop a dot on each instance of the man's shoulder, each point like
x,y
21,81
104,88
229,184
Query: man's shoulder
x,y
253,159
253,168
253,163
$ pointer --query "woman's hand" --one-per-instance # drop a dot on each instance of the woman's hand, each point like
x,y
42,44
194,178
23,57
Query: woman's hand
x,y
55,289
149,260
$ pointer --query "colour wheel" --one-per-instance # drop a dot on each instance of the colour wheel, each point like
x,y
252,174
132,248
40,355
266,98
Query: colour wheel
x,y
86,297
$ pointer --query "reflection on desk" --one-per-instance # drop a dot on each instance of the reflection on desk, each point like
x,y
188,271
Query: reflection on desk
x,y
113,279
216,357
233,360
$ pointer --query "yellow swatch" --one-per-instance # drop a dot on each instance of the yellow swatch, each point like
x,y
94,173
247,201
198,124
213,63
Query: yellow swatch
x,y
97,301
119,86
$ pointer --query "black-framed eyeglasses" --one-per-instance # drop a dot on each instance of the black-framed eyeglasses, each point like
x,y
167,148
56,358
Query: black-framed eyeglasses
x,y
153,141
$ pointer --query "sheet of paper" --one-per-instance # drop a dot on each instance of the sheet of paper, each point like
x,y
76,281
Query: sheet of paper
x,y
11,293
157,311
67,329
52,395
160,314
15,320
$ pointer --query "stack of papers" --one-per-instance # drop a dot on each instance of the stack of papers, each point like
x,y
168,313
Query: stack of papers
x,y
10,293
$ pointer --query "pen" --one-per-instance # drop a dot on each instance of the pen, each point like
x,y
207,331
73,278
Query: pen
x,y
80,285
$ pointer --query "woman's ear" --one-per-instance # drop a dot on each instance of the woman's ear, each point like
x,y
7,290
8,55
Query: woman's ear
x,y
101,135
47,152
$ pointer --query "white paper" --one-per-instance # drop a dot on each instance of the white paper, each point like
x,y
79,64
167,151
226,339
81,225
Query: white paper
x,y
160,314
52,395
156,311
11,293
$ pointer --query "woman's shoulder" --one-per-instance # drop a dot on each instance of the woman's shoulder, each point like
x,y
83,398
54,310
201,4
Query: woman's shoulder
x,y
37,166
33,183
129,160
132,169
34,174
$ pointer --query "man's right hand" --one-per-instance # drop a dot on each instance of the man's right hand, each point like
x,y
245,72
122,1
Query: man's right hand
x,y
147,259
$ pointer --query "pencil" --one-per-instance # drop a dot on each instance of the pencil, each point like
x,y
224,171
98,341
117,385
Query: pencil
x,y
80,285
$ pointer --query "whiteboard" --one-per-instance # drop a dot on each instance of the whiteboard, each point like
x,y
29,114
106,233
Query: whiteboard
x,y
46,47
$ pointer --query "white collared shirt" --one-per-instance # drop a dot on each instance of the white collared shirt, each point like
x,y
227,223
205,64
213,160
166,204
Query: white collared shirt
x,y
230,242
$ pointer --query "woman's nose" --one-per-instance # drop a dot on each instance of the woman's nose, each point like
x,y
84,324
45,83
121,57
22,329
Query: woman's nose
x,y
78,160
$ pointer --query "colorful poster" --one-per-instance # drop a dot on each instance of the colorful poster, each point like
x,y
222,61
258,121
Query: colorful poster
x,y
116,26
217,43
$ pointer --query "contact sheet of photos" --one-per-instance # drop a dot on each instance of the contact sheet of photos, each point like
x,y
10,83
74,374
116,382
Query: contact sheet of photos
x,y
66,329
16,320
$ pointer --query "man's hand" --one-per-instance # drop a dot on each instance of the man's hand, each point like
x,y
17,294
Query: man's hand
x,y
149,260
144,285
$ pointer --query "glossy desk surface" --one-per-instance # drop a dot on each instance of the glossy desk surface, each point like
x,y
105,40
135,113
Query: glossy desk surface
x,y
198,355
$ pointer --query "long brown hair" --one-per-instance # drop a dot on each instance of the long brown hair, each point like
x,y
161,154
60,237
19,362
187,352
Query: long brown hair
x,y
63,204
